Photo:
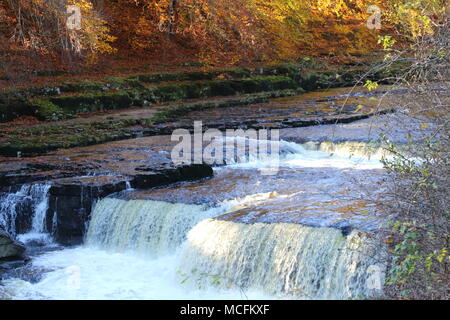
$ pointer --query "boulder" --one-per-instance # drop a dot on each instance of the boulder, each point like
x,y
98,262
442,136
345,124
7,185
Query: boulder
x,y
10,247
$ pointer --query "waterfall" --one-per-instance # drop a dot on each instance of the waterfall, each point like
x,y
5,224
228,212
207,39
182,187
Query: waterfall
x,y
155,249
8,213
349,149
17,206
280,259
312,154
39,193
185,250
149,227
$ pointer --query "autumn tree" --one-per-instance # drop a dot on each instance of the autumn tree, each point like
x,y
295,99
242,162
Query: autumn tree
x,y
418,231
41,25
214,31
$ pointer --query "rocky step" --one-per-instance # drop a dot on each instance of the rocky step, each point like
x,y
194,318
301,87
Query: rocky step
x,y
71,199
80,176
254,111
71,202
43,137
53,102
18,102
61,107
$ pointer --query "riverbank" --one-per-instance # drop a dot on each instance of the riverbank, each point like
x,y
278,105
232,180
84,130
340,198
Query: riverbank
x,y
69,114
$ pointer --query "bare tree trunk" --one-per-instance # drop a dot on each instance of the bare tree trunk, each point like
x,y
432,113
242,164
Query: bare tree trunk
x,y
173,16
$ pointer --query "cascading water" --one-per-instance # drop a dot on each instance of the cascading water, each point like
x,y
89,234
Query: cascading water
x,y
150,227
138,249
281,259
349,149
40,195
8,213
35,197
325,154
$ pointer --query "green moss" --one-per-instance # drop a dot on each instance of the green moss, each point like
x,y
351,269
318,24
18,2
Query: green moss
x,y
174,113
121,83
83,86
99,95
93,102
191,90
43,138
51,73
46,110
193,75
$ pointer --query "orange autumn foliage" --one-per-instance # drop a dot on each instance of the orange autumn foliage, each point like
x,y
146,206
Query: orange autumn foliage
x,y
214,31
243,29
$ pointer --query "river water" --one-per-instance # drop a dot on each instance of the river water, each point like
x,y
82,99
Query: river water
x,y
297,234
301,233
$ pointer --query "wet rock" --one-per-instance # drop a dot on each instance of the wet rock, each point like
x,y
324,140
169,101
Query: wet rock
x,y
71,200
163,176
24,215
346,230
22,270
16,209
70,205
9,247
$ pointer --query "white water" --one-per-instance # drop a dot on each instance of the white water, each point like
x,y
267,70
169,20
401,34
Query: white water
x,y
137,249
152,228
310,155
281,259
140,254
8,204
88,273
132,252
40,211
38,196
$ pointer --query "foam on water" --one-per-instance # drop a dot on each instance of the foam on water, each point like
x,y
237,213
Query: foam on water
x,y
294,155
89,273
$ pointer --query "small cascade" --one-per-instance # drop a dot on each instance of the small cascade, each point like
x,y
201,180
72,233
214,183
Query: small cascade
x,y
281,259
38,233
8,206
30,201
291,154
128,185
40,195
327,154
198,252
245,149
152,228
349,149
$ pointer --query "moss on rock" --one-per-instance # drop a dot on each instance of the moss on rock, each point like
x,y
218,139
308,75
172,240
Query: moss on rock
x,y
93,102
204,89
122,92
46,110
